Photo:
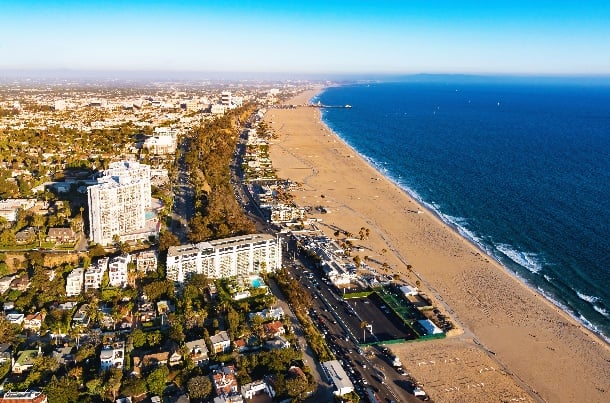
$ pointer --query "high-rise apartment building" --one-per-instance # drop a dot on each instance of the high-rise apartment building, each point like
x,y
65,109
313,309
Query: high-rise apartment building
x,y
118,203
239,256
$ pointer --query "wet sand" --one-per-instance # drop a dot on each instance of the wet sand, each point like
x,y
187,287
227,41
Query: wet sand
x,y
541,350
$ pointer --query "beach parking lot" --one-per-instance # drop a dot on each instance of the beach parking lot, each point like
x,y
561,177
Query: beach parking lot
x,y
386,325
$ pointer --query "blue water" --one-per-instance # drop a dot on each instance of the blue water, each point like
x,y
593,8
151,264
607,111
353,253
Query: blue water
x,y
521,169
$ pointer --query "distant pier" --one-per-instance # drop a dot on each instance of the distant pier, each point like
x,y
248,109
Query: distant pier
x,y
319,105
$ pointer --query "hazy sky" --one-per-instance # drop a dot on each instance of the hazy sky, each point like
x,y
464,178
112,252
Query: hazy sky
x,y
408,36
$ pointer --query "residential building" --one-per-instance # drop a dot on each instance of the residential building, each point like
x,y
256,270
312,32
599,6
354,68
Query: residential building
x,y
95,274
146,261
26,235
274,329
5,283
6,353
15,318
118,271
33,321
61,235
240,256
118,202
160,145
29,396
112,356
337,377
220,342
24,361
9,207
224,380
249,390
74,282
197,352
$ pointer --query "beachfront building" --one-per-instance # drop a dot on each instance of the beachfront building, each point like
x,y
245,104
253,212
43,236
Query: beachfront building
x,y
74,282
118,202
337,376
240,256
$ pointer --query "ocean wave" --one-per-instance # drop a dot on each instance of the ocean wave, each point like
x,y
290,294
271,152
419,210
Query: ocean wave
x,y
602,311
530,261
590,299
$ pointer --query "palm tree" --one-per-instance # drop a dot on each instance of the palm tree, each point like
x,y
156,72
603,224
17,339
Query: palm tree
x,y
363,325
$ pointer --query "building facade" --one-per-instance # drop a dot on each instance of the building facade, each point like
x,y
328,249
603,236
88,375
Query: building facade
x,y
74,282
240,256
118,202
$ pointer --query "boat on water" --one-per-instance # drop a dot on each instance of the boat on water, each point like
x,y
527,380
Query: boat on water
x,y
348,106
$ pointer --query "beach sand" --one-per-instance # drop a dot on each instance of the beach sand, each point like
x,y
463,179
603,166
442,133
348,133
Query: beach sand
x,y
538,352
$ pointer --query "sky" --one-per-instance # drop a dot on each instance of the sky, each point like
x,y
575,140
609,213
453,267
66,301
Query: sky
x,y
308,37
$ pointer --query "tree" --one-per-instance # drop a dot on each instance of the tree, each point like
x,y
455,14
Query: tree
x,y
155,382
9,332
133,387
297,387
113,382
138,338
64,390
167,239
199,387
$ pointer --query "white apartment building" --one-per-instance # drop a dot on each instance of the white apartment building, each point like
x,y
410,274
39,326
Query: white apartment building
x,y
239,256
95,274
117,271
74,282
160,145
118,203
146,261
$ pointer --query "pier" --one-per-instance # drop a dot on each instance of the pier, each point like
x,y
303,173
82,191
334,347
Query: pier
x,y
319,105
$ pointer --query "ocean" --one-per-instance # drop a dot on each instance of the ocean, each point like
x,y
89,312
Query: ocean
x,y
521,168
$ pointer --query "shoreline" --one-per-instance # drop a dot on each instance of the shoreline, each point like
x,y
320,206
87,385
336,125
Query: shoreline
x,y
443,292
456,229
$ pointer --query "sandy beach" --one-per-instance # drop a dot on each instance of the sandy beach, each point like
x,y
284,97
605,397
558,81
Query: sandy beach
x,y
537,352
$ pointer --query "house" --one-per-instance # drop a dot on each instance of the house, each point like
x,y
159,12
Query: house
x,y
63,355
15,318
29,396
20,283
197,352
26,235
81,318
61,235
249,390
220,342
277,343
6,353
112,356
274,329
224,380
33,321
5,283
240,345
24,361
